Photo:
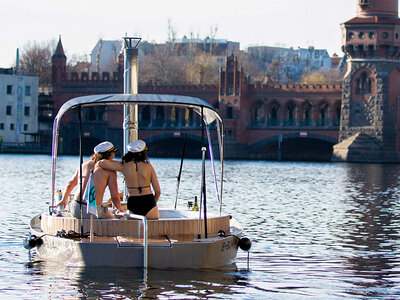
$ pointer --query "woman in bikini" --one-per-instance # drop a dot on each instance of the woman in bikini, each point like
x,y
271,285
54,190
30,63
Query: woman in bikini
x,y
139,178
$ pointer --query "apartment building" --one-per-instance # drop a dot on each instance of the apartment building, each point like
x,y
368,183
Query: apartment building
x,y
18,107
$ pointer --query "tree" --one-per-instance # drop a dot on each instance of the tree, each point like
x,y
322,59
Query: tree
x,y
36,60
162,64
203,69
331,76
250,66
79,63
274,69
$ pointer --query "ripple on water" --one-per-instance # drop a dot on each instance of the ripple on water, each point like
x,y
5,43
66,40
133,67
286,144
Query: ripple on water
x,y
318,230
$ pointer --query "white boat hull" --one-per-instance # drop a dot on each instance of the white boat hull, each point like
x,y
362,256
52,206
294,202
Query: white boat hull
x,y
189,252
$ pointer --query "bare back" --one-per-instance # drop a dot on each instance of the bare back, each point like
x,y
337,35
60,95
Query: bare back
x,y
103,178
87,167
140,178
144,176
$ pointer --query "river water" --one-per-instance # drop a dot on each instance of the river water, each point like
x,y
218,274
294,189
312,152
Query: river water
x,y
318,231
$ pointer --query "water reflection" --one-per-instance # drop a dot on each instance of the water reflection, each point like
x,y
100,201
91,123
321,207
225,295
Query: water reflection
x,y
371,228
133,283
319,230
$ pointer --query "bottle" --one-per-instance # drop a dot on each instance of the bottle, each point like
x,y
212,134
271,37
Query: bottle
x,y
59,197
195,206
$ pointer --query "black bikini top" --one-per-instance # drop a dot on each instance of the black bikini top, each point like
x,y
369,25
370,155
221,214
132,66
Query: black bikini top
x,y
139,188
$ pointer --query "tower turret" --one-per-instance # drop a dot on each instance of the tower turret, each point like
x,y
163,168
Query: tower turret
x,y
59,64
370,124
377,8
374,32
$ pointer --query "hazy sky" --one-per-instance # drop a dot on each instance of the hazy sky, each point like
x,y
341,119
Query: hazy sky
x,y
288,23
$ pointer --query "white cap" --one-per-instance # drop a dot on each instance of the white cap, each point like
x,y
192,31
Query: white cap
x,y
104,147
136,146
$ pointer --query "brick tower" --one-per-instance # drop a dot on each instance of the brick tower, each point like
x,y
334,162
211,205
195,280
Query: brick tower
x,y
370,113
58,72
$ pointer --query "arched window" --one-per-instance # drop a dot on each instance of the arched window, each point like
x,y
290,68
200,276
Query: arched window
x,y
337,115
323,114
364,84
91,116
145,118
306,115
159,116
259,115
229,111
273,118
290,114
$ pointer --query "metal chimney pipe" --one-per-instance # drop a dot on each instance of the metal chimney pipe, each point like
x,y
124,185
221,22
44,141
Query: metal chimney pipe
x,y
131,74
17,62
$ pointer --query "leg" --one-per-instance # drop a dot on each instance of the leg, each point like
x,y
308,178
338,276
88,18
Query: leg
x,y
153,214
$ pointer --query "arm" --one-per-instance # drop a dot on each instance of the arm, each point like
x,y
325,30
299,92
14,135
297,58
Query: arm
x,y
113,187
110,165
73,182
155,184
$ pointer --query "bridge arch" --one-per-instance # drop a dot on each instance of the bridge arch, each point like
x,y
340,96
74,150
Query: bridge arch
x,y
297,146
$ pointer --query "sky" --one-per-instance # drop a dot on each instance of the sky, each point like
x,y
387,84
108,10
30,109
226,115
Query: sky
x,y
81,23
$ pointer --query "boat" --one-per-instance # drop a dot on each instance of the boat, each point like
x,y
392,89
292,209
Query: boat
x,y
180,238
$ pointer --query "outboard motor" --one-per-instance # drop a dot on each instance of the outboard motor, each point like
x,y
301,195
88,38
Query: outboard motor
x,y
32,241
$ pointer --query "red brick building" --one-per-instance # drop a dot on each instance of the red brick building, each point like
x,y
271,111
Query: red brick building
x,y
301,121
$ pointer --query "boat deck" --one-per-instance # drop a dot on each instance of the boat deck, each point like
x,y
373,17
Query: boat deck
x,y
171,226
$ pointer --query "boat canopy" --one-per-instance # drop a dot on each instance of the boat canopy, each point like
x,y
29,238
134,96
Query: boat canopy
x,y
201,107
209,112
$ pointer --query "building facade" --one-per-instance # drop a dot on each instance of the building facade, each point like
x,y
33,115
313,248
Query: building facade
x,y
18,107
262,121
370,120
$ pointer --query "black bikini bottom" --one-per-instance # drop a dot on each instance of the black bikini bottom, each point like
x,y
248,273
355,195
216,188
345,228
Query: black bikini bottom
x,y
141,205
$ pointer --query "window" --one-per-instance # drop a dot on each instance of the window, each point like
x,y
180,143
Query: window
x,y
364,84
229,111
363,2
27,111
8,110
1,126
385,35
12,126
371,35
27,90
25,127
9,89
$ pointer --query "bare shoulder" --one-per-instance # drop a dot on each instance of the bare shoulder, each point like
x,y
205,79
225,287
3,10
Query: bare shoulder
x,y
88,165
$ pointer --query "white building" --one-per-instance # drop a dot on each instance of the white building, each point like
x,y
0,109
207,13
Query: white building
x,y
18,107
104,55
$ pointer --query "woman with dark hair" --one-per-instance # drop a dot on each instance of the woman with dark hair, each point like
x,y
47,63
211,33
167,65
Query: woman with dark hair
x,y
140,178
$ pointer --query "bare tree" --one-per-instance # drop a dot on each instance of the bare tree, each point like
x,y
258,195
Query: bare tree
x,y
251,66
78,63
164,65
36,60
331,76
203,69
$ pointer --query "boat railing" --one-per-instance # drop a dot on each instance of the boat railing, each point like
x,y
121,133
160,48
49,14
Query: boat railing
x,y
145,237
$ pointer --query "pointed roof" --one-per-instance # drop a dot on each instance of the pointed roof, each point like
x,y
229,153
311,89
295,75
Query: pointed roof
x,y
59,50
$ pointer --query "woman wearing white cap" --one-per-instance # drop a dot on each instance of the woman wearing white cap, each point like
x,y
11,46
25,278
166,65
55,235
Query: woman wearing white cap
x,y
140,178
102,178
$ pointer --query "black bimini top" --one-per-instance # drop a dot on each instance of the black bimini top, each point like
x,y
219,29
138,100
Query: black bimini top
x,y
209,112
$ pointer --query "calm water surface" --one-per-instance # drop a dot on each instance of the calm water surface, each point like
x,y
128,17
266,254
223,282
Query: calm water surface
x,y
319,231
